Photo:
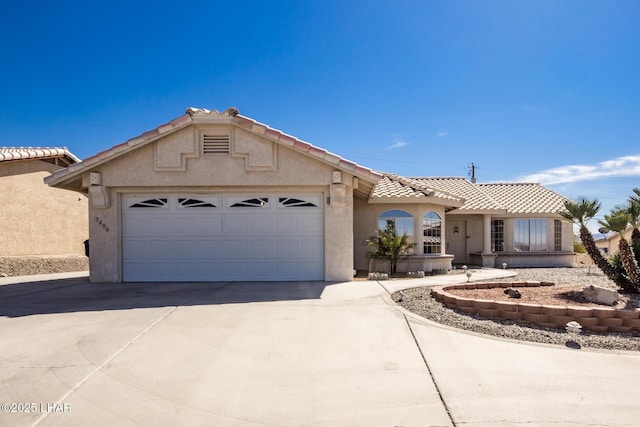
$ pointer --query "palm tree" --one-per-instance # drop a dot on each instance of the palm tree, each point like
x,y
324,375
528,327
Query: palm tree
x,y
580,212
634,210
388,245
617,221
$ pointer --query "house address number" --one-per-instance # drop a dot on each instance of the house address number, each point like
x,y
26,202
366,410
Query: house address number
x,y
104,226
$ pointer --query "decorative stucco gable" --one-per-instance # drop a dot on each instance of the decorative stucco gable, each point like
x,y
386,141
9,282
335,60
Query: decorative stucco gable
x,y
172,152
182,139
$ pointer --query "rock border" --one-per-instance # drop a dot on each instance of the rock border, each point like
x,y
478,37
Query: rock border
x,y
599,320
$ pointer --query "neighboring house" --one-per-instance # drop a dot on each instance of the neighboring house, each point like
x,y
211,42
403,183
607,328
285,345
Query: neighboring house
x,y
609,242
38,220
216,196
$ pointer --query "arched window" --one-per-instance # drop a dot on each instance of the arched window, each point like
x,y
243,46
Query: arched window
x,y
396,220
432,230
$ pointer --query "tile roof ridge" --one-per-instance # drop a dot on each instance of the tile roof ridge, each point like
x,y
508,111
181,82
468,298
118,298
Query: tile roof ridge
x,y
438,177
25,153
427,191
478,187
508,183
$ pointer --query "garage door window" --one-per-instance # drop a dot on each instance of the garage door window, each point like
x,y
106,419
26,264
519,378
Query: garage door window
x,y
295,203
194,203
151,203
258,202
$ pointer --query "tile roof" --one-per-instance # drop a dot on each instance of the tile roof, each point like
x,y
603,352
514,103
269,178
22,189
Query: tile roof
x,y
514,198
393,187
452,192
201,115
525,198
41,153
475,198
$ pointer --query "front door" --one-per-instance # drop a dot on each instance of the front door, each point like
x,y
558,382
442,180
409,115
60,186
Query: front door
x,y
456,234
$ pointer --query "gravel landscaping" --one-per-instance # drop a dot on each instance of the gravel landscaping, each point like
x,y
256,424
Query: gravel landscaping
x,y
419,301
28,265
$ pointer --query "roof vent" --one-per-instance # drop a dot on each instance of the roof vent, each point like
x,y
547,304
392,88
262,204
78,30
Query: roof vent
x,y
215,144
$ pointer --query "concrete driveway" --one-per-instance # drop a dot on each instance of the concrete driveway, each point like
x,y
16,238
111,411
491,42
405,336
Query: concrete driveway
x,y
281,354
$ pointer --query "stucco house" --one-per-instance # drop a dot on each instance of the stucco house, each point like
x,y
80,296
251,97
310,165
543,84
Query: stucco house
x,y
609,243
217,196
38,220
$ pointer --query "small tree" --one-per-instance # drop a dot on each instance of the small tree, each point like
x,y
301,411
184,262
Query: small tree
x,y
388,245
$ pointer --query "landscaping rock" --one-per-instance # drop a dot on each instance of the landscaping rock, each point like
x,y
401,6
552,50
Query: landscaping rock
x,y
513,293
600,295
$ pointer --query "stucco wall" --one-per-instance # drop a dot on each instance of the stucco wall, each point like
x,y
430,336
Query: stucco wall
x,y
365,225
339,264
474,227
37,219
146,170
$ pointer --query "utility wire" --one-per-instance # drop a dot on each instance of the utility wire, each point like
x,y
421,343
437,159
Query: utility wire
x,y
58,119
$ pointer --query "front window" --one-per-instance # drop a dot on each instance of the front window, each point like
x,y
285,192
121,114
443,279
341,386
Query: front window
x,y
432,230
557,235
530,235
396,221
497,235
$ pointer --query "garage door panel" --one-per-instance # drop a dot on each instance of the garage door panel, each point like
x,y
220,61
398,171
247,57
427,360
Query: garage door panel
x,y
148,271
235,249
210,240
152,225
288,249
138,249
135,249
195,226
186,250
195,271
284,225
161,248
310,225
235,224
261,249
284,268
259,270
235,269
209,249
311,269
260,226
310,248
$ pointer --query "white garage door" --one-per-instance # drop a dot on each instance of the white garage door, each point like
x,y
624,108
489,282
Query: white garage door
x,y
225,237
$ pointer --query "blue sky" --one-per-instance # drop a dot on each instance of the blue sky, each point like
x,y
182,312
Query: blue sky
x,y
544,91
